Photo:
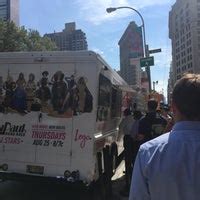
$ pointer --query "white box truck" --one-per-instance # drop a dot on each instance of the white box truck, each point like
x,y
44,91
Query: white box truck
x,y
59,114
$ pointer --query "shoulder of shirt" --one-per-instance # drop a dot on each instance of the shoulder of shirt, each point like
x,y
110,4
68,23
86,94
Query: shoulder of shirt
x,y
159,141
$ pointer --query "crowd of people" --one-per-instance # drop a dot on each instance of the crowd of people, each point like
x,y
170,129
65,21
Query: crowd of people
x,y
139,128
162,147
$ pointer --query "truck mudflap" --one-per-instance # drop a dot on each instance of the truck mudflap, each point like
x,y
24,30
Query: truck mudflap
x,y
41,179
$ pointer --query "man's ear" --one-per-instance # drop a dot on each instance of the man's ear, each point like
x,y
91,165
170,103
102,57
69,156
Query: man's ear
x,y
177,115
174,108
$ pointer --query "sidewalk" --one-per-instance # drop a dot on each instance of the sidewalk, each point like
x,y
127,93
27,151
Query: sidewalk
x,y
118,182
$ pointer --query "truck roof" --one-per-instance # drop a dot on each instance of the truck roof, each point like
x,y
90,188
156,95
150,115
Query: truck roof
x,y
53,56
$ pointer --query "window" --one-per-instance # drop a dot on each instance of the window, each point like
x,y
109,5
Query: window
x,y
176,35
184,68
116,102
190,65
178,70
188,42
104,101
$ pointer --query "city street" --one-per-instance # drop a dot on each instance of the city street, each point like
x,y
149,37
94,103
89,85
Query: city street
x,y
10,190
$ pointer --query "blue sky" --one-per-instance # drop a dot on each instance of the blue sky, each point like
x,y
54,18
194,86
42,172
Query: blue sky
x,y
104,30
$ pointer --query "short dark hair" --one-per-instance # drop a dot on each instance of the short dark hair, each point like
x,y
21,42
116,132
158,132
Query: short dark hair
x,y
45,73
186,96
152,104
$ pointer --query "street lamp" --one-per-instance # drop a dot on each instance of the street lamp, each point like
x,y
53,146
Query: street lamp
x,y
109,10
146,51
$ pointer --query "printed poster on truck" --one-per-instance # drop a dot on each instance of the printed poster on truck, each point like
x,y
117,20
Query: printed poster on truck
x,y
41,134
57,94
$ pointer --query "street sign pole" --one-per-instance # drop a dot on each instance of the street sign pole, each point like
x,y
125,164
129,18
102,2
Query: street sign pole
x,y
148,67
148,61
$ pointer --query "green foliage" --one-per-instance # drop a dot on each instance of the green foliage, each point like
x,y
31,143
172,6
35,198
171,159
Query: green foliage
x,y
13,38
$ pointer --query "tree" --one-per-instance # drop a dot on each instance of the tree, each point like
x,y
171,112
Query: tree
x,y
13,38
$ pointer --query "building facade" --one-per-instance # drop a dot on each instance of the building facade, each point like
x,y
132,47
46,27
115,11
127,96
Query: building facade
x,y
70,39
131,49
184,32
170,84
9,10
135,72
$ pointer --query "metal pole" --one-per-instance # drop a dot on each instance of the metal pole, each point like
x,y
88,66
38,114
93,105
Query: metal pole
x,y
148,67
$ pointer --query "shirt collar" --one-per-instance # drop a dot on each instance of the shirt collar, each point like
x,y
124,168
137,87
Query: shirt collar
x,y
187,125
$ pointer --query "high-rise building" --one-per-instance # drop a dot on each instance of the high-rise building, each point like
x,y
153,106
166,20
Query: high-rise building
x,y
135,72
9,10
170,84
184,32
131,49
69,39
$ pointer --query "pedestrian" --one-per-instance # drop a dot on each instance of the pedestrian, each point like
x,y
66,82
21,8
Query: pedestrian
x,y
152,124
137,115
164,112
169,118
167,167
125,129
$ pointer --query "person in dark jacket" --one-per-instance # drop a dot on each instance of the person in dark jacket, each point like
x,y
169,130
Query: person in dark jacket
x,y
152,124
137,115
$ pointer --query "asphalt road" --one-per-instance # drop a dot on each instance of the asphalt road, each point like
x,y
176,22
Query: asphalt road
x,y
27,191
10,190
